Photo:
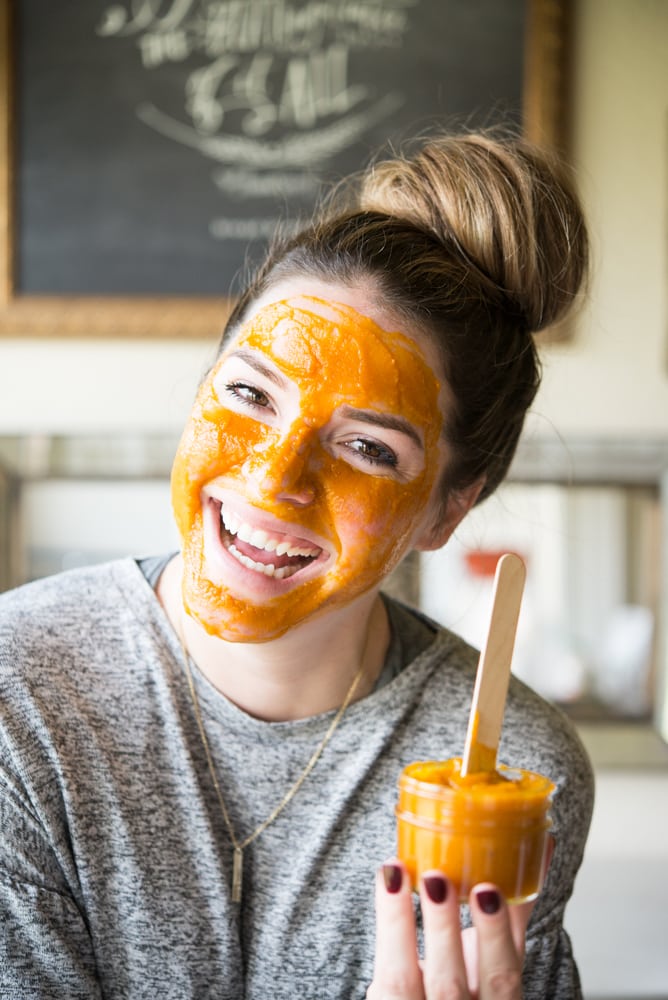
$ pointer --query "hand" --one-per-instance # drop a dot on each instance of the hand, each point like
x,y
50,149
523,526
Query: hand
x,y
483,962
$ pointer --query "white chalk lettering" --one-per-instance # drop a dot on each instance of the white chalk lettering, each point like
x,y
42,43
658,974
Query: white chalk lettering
x,y
271,93
142,15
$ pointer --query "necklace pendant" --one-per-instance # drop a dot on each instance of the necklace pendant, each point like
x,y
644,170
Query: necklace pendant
x,y
237,874
238,858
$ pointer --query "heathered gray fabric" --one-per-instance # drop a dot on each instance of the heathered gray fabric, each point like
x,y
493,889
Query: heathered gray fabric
x,y
114,860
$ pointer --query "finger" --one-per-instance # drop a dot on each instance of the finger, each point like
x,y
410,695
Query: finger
x,y
499,963
520,914
396,969
444,972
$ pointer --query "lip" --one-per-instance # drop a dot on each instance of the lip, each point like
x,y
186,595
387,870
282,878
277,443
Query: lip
x,y
225,568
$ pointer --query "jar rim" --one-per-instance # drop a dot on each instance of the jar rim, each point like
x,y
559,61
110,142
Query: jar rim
x,y
538,793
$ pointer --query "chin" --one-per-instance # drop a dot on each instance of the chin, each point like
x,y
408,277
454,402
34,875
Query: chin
x,y
234,630
233,619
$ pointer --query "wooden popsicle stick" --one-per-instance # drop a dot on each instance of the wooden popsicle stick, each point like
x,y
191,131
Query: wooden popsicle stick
x,y
493,676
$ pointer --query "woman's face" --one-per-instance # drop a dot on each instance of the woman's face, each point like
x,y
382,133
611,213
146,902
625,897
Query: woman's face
x,y
307,467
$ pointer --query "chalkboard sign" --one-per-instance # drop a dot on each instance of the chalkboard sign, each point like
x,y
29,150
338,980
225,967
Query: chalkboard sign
x,y
153,145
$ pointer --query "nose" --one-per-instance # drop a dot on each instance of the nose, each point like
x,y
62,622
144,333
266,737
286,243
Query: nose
x,y
283,469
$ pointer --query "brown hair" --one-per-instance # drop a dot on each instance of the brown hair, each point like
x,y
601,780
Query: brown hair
x,y
479,242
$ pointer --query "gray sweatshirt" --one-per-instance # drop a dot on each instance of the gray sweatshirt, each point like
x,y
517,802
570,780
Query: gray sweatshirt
x,y
115,863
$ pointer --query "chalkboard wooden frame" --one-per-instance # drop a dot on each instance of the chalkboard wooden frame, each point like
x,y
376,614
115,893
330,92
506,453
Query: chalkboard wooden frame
x,y
545,104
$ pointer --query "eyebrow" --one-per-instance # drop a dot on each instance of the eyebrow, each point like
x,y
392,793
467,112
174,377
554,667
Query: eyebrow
x,y
387,420
390,421
254,362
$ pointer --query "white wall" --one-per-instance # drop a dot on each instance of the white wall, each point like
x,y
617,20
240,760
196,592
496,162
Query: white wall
x,y
74,386
613,377
617,916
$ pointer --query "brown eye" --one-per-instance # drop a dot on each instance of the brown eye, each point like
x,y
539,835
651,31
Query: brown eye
x,y
373,452
247,394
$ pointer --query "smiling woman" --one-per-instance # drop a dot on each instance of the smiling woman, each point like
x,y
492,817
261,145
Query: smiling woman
x,y
199,751
304,460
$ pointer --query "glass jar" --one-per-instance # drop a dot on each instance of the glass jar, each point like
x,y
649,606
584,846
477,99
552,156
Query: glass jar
x,y
482,828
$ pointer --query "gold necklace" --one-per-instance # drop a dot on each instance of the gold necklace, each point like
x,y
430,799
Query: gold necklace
x,y
240,846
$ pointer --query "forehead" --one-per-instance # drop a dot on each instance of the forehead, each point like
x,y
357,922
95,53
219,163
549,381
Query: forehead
x,y
330,347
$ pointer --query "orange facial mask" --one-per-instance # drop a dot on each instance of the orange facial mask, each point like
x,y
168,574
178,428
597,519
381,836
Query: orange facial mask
x,y
294,474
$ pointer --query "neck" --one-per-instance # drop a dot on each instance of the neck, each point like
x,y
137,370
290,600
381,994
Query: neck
x,y
305,672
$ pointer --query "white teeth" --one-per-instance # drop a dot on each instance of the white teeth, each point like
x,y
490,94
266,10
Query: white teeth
x,y
231,521
285,549
250,563
245,532
260,539
267,568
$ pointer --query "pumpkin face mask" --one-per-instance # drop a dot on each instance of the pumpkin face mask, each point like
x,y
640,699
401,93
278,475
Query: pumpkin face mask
x,y
305,470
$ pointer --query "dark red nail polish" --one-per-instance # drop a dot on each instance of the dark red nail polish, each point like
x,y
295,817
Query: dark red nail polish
x,y
489,901
436,888
393,877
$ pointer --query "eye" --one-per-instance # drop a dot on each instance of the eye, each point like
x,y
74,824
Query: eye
x,y
248,395
373,452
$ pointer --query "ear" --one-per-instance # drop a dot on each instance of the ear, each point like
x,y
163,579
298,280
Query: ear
x,y
457,506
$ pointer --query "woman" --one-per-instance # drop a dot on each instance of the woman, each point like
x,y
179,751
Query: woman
x,y
200,753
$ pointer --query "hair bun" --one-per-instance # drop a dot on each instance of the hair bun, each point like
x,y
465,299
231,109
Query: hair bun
x,y
509,209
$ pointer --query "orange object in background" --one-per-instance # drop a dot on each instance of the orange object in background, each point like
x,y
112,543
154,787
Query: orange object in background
x,y
482,562
486,827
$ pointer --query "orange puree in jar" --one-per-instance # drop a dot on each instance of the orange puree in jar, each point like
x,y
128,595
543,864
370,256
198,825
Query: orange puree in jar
x,y
485,827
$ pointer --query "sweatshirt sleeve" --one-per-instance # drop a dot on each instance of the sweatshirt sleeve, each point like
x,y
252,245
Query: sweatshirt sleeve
x,y
45,949
550,970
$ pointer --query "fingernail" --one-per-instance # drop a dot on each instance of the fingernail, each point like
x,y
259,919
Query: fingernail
x,y
436,888
393,876
488,900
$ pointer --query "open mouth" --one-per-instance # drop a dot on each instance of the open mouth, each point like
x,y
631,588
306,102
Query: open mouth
x,y
274,555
